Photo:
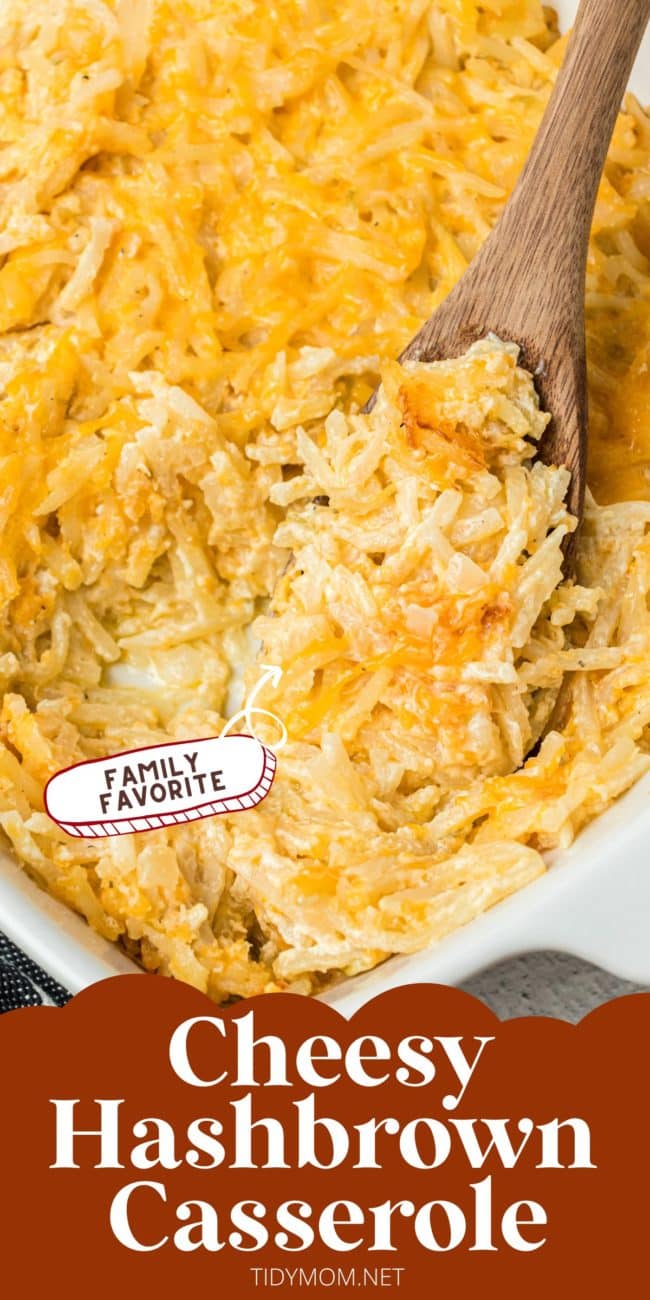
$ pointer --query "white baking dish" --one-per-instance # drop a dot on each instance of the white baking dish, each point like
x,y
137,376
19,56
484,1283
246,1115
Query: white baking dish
x,y
593,902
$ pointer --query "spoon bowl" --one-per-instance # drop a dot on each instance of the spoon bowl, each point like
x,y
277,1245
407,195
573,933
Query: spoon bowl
x,y
527,283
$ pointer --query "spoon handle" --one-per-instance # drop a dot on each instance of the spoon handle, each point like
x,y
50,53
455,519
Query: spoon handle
x,y
526,284
552,205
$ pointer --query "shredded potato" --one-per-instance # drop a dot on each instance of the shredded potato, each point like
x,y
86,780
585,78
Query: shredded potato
x,y
218,225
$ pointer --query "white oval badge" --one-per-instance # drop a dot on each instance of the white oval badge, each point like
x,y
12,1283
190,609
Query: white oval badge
x,y
160,785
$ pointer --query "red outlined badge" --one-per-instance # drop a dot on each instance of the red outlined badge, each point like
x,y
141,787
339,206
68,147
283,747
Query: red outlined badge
x,y
160,785
167,784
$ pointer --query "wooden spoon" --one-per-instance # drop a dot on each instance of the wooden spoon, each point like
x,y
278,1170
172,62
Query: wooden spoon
x,y
527,283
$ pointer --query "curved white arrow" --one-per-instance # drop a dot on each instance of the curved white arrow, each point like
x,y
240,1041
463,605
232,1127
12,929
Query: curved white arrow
x,y
270,674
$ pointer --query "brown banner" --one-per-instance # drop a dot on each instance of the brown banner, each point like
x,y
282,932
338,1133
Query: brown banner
x,y
422,1143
